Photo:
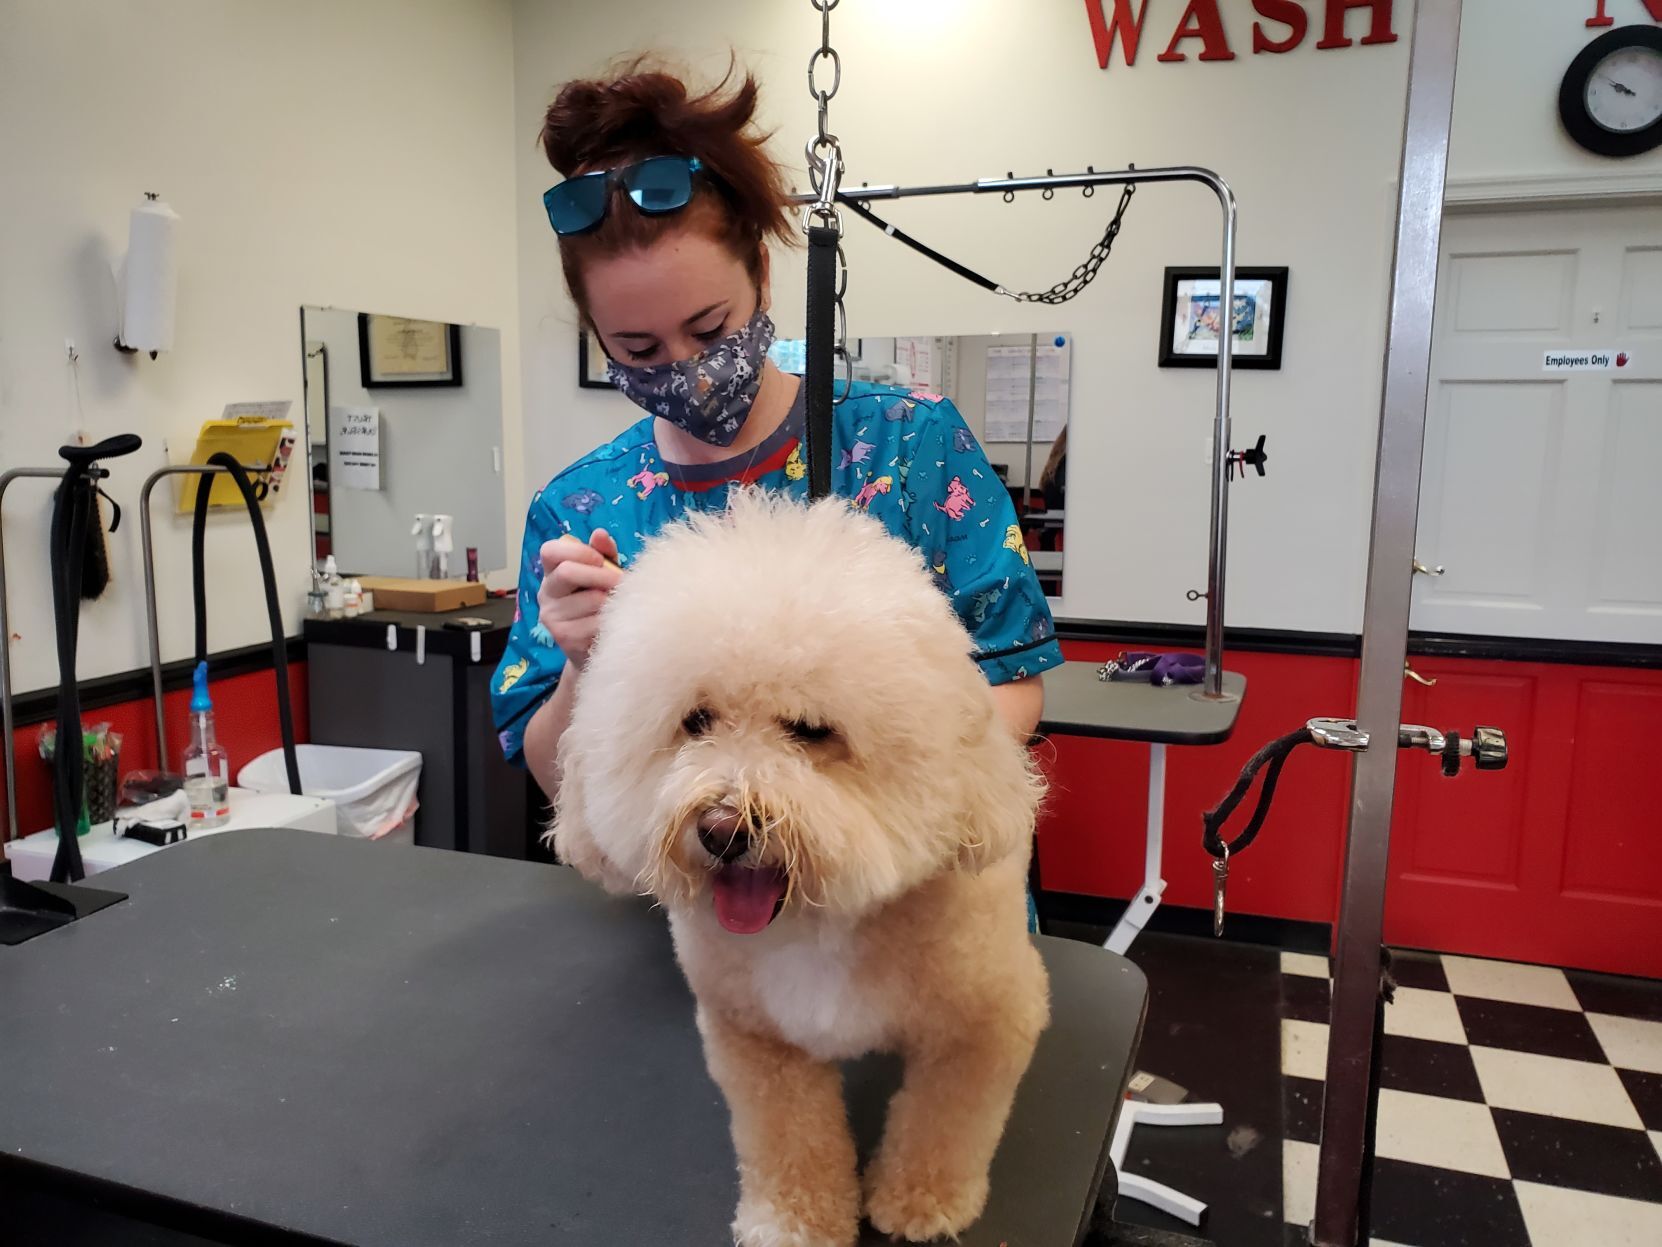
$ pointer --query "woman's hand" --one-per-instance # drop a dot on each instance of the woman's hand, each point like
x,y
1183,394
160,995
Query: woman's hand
x,y
575,581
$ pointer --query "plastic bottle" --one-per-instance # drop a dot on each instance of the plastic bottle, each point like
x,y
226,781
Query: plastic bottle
x,y
207,765
334,600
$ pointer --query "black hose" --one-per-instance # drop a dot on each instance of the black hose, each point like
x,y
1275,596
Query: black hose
x,y
71,507
279,645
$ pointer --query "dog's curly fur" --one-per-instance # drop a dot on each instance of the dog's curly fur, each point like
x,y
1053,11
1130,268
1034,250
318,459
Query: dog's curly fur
x,y
795,668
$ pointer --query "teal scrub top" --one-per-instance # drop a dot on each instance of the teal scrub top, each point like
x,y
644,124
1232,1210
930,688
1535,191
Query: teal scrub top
x,y
905,457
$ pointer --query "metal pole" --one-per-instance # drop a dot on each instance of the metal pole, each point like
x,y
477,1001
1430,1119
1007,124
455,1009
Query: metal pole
x,y
183,469
1032,396
11,828
1385,618
1218,529
1217,548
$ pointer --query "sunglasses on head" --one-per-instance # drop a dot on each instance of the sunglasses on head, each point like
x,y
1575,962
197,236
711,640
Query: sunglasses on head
x,y
656,185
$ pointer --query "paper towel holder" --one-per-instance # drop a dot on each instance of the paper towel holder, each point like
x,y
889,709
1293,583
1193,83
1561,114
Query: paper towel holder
x,y
123,347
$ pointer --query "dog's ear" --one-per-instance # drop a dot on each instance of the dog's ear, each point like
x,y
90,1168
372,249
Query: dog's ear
x,y
1001,793
569,835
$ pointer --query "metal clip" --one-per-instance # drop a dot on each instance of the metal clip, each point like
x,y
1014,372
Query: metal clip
x,y
1415,676
1420,569
1337,734
1414,736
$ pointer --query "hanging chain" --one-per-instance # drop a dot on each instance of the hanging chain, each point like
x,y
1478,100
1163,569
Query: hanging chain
x,y
825,171
1086,273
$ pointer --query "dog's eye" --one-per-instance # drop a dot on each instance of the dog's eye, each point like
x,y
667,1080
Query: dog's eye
x,y
802,730
698,722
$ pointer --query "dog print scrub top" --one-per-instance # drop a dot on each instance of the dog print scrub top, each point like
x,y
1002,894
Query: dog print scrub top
x,y
907,458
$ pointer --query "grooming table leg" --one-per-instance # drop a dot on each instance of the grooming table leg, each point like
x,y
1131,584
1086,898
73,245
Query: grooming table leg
x,y
1147,900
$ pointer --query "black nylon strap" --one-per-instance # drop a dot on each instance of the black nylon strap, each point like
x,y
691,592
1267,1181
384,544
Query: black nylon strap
x,y
947,262
1274,755
821,353
69,522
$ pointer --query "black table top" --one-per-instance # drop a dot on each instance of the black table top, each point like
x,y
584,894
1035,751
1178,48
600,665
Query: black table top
x,y
1079,704
380,1044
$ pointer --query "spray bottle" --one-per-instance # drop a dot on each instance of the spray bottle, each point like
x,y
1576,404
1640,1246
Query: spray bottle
x,y
207,766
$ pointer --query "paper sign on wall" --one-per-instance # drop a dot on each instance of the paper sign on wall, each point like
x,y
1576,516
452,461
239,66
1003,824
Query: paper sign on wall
x,y
355,448
1584,360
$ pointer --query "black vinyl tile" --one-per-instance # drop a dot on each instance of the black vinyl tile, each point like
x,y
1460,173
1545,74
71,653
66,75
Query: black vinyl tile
x,y
1213,1028
1295,1235
1305,998
1645,1090
1303,1099
1607,993
1430,1207
1429,1067
1581,1155
1528,1028
1424,970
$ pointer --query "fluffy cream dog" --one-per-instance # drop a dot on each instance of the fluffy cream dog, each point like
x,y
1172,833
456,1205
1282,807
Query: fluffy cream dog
x,y
780,735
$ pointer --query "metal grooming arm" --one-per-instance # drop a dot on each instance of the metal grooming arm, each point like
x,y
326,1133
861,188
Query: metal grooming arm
x,y
6,478
1218,538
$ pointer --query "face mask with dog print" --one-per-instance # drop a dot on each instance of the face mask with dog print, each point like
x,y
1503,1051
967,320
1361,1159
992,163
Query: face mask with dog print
x,y
710,395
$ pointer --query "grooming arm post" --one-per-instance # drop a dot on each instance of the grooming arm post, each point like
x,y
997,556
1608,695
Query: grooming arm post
x,y
1356,985
6,722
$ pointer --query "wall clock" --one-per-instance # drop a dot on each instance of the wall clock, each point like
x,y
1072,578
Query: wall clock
x,y
1611,97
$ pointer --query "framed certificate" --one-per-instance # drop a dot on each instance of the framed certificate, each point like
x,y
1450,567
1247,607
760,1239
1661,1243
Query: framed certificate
x,y
394,352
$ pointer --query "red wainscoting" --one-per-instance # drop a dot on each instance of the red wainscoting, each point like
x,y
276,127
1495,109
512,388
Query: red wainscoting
x,y
245,715
1557,859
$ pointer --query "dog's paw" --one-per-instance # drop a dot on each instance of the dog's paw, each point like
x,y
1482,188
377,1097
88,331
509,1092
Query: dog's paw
x,y
921,1208
761,1223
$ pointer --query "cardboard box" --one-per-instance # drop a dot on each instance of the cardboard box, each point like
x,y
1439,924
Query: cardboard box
x,y
432,597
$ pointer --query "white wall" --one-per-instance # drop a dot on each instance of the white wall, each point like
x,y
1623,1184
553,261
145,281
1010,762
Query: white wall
x,y
354,154
1513,54
441,453
938,91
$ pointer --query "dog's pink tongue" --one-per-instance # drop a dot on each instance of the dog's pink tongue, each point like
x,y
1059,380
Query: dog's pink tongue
x,y
746,898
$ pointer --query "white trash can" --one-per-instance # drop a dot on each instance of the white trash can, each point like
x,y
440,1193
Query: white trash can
x,y
374,790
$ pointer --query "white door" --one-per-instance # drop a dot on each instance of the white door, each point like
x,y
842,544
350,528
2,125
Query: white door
x,y
1542,490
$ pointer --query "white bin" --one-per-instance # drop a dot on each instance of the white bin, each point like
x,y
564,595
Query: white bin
x,y
374,790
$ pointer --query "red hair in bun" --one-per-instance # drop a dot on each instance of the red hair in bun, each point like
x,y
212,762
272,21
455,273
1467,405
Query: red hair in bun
x,y
640,111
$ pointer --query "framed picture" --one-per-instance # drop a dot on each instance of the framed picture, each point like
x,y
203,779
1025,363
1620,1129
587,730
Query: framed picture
x,y
394,352
591,362
1190,317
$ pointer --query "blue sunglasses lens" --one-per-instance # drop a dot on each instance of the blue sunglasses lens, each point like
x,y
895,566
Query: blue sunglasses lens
x,y
577,204
661,184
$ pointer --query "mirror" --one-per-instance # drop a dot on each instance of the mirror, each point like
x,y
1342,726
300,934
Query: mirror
x,y
1013,391
403,418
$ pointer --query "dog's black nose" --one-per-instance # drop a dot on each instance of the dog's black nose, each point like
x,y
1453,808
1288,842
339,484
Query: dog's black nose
x,y
723,833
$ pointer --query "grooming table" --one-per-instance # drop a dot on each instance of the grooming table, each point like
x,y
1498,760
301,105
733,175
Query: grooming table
x,y
285,1037
1078,703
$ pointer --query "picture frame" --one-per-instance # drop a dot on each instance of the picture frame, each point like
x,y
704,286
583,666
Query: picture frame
x,y
395,352
1188,318
591,362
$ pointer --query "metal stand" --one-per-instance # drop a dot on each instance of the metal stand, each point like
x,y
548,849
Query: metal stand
x,y
1356,976
1145,1190
6,478
1147,900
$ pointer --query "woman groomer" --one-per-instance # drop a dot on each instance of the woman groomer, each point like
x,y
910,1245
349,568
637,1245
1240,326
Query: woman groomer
x,y
663,220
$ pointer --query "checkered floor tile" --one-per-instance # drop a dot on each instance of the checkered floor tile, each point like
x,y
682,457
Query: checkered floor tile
x,y
1520,1106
